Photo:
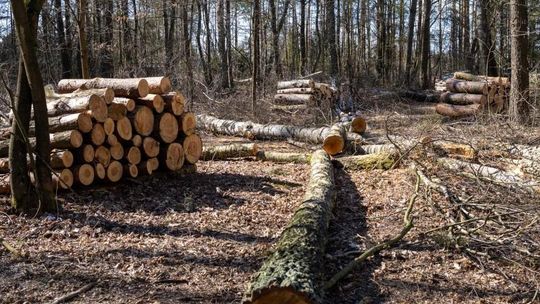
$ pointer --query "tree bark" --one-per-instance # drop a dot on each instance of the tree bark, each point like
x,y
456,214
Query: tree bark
x,y
519,92
292,273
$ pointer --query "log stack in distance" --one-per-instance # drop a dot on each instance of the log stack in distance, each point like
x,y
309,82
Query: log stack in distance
x,y
105,130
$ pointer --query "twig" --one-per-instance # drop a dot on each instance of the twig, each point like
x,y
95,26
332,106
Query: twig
x,y
10,248
408,225
74,294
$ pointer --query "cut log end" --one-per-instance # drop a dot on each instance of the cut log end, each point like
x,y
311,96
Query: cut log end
x,y
103,155
132,170
88,153
193,148
151,147
76,139
109,126
282,295
98,135
98,108
359,125
64,179
84,174
115,171
333,144
124,128
174,157
133,155
168,128
101,172
117,151
143,121
84,122
137,140
189,123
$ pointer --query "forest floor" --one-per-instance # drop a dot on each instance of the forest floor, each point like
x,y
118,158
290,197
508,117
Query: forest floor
x,y
198,238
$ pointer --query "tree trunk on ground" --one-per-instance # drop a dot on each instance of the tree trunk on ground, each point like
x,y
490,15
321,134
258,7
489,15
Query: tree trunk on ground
x,y
259,131
519,92
381,160
463,98
26,27
457,111
284,157
471,87
293,270
224,152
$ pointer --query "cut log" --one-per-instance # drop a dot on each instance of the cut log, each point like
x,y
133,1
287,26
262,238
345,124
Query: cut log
x,y
446,148
463,99
115,171
334,142
457,111
109,126
103,155
124,129
76,121
61,159
224,152
100,171
146,167
294,99
63,179
112,140
151,147
252,130
358,125
107,94
137,140
174,103
62,140
297,91
159,85
470,87
152,101
192,145
132,170
117,152
290,108
282,157
292,272
129,103
98,136
132,88
494,175
117,111
382,160
373,149
299,83
166,127
86,154
188,122
143,120
133,155
5,183
96,106
84,174
502,81
173,157
154,163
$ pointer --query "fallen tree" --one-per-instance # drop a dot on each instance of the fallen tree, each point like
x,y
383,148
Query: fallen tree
x,y
292,273
381,160
224,152
494,175
457,111
252,130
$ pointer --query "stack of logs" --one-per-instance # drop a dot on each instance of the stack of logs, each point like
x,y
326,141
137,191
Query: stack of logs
x,y
303,94
107,129
468,94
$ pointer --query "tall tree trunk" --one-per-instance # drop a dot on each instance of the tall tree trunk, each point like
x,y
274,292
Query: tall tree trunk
x,y
26,20
276,25
486,43
426,45
222,45
519,93
331,38
303,44
255,52
83,40
65,56
467,36
107,66
410,40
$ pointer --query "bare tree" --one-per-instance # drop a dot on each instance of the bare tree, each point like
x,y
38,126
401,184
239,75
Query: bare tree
x,y
519,93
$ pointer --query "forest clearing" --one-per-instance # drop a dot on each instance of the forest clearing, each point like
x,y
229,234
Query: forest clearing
x,y
311,151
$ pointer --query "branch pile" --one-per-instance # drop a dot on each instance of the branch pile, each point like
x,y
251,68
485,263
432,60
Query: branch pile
x,y
106,129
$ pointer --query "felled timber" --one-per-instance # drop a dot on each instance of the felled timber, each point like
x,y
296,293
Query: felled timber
x,y
283,157
469,87
463,98
457,111
132,88
382,160
224,152
294,84
293,271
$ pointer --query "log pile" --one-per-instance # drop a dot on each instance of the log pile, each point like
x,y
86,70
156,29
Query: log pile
x,y
303,94
109,129
468,94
